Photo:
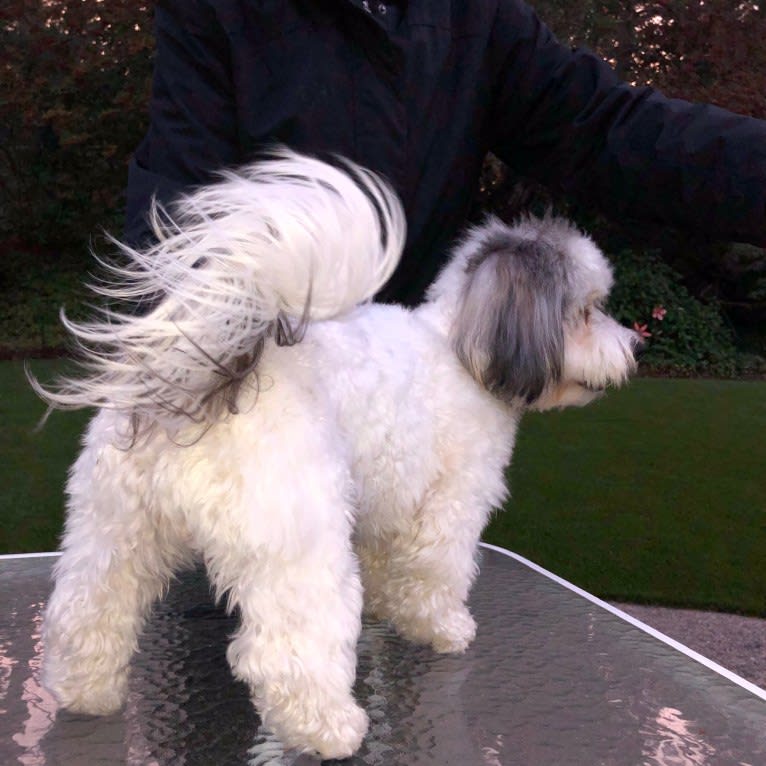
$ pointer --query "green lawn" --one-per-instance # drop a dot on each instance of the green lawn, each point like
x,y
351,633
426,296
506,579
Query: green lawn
x,y
655,494
34,464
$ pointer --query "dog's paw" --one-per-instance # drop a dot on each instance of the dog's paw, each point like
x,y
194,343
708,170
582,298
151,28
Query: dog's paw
x,y
449,631
90,695
455,633
342,735
329,731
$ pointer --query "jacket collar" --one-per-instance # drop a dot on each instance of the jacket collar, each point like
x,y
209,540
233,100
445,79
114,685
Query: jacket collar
x,y
432,13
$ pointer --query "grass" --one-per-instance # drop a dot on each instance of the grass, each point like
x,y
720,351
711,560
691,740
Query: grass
x,y
656,494
34,464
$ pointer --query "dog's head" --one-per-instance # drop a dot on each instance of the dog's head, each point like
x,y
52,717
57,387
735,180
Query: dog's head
x,y
526,319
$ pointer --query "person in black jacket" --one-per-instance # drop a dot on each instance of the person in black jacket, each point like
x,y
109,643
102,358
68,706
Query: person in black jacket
x,y
420,91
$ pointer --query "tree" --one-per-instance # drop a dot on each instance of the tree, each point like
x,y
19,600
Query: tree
x,y
704,50
74,85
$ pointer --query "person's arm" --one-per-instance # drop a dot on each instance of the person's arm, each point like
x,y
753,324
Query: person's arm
x,y
193,125
564,118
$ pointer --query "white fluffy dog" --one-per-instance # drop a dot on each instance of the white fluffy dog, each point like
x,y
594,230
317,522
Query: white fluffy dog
x,y
310,447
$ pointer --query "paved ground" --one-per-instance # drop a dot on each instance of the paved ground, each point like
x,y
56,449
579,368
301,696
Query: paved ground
x,y
737,643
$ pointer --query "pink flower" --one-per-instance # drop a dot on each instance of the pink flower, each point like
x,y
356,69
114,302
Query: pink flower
x,y
658,312
642,330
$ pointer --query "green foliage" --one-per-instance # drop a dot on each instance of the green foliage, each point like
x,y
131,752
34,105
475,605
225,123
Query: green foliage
x,y
684,335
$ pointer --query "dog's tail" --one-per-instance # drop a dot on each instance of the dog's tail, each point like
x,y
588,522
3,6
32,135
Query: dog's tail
x,y
254,256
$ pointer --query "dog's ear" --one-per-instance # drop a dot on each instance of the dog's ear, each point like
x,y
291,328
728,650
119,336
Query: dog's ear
x,y
508,330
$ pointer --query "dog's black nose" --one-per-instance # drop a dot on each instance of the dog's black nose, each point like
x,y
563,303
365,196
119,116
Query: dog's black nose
x,y
639,346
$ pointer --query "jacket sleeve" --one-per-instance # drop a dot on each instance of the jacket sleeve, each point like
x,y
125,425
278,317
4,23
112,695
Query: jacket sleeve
x,y
563,117
193,128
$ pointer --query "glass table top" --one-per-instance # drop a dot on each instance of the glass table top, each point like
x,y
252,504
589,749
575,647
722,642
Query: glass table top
x,y
552,679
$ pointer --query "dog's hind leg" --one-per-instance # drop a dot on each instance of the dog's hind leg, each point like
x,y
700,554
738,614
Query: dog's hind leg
x,y
115,562
283,557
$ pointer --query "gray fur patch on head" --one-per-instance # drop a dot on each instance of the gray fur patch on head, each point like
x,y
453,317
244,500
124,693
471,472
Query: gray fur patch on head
x,y
509,329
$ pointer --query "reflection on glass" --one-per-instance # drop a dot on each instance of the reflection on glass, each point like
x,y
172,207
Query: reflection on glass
x,y
671,741
40,705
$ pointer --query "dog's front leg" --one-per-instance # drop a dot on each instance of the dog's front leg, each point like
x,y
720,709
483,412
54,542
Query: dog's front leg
x,y
419,574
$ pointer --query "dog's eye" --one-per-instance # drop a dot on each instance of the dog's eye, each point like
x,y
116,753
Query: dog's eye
x,y
586,313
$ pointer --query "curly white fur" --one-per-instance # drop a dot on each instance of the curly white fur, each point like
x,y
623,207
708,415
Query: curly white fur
x,y
368,464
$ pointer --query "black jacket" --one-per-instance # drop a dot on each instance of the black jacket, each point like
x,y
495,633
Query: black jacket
x,y
423,103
